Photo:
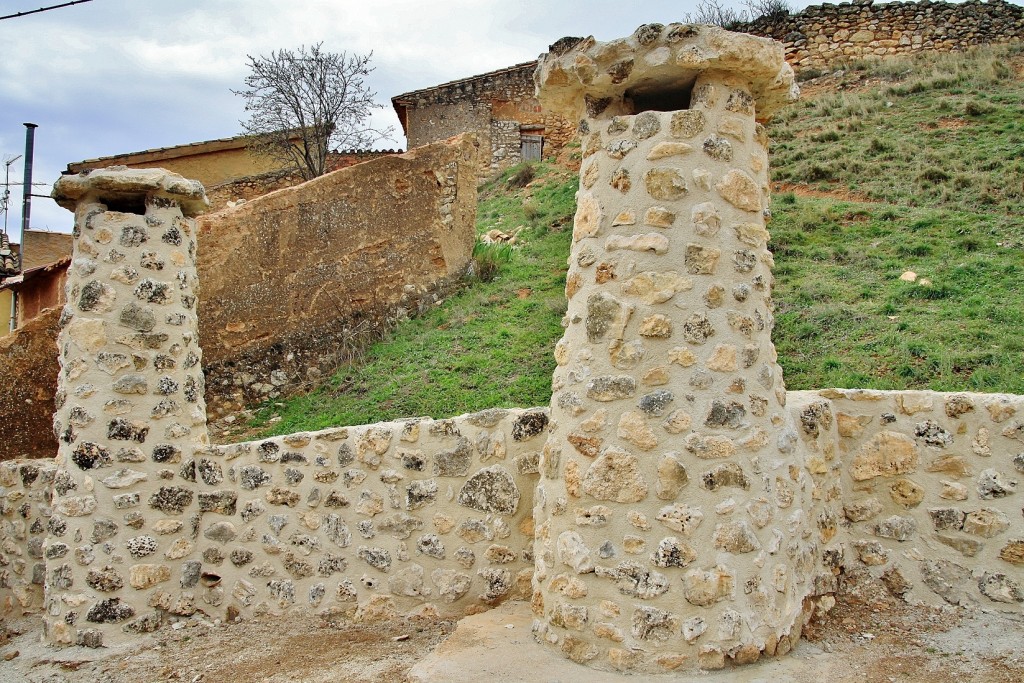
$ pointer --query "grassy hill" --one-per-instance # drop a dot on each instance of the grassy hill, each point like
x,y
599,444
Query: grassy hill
x,y
882,168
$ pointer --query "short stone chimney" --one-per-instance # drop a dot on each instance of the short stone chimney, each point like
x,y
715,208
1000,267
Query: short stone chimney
x,y
130,409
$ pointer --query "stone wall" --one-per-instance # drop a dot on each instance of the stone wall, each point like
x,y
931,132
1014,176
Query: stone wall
x,y
25,515
292,279
494,106
821,35
928,500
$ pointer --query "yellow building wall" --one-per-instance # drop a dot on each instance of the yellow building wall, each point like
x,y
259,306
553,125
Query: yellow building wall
x,y
213,168
5,312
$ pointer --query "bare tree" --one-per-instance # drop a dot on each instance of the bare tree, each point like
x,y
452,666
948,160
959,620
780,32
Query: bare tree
x,y
302,103
716,13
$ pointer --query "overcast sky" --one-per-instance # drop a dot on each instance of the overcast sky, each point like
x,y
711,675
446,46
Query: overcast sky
x,y
114,76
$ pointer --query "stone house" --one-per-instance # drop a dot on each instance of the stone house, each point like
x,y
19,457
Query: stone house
x,y
499,106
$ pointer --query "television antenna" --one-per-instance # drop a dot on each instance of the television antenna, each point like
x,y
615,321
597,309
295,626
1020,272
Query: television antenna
x,y
5,197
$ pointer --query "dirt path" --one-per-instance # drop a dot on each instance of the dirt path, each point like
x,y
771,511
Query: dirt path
x,y
856,643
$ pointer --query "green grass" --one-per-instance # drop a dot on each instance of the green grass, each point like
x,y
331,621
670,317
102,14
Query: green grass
x,y
845,319
936,144
932,130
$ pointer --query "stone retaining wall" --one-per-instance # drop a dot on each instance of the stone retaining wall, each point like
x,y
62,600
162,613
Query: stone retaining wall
x,y
294,279
822,35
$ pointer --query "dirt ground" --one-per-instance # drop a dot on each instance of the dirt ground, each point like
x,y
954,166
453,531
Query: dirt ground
x,y
855,642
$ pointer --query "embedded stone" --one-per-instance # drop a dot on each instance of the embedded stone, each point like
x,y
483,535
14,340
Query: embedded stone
x,y
587,221
946,579
701,260
620,180
656,402
281,496
705,588
932,434
529,424
681,518
885,455
946,518
697,329
992,484
953,465
735,537
646,125
611,387
1013,552
672,477
906,493
656,326
871,553
725,475
451,584
677,422
687,124
378,558
633,428
123,478
896,527
659,217
407,582
76,506
986,522
615,475
672,552
862,510
171,499
739,189
663,150
654,287
605,313
420,493
105,580
652,241
454,462
968,547
718,148
665,184
492,489
221,532
108,611
142,576
998,587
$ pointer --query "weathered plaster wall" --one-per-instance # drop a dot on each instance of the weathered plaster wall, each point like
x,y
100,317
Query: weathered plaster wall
x,y
821,35
28,382
290,279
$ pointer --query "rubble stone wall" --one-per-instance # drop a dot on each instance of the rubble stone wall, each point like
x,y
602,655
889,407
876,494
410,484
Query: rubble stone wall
x,y
821,35
930,501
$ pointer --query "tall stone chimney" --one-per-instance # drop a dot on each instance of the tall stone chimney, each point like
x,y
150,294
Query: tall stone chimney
x,y
670,524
